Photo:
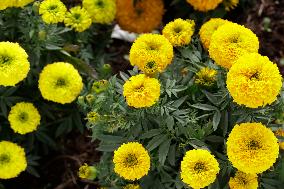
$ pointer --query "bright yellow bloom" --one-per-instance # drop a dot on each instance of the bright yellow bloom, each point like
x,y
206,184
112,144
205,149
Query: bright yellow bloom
x,y
243,181
252,148
206,77
142,17
101,11
132,186
93,117
280,132
131,161
100,86
207,30
199,168
254,81
52,11
141,91
231,41
230,4
78,19
60,82
87,172
179,31
24,118
5,4
204,5
150,49
22,3
14,64
12,160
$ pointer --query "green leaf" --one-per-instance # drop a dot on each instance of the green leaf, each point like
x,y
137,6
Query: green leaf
x,y
163,151
111,138
107,147
205,107
151,133
156,141
216,120
172,154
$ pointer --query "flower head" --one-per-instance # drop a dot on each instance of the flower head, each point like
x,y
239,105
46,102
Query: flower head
x,y
100,86
229,42
141,91
204,5
87,172
243,181
12,160
52,11
140,17
93,117
131,161
151,48
132,186
5,4
14,64
24,118
101,11
60,82
280,133
254,81
179,31
78,18
230,4
22,3
252,148
199,168
207,30
206,77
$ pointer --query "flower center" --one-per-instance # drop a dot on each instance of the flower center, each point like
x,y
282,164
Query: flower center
x,y
242,181
255,76
5,60
177,29
140,89
85,171
77,16
100,4
131,160
23,117
52,7
199,167
4,158
254,145
61,82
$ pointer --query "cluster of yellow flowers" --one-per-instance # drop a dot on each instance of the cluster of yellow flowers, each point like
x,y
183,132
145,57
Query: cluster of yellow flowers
x,y
14,3
78,18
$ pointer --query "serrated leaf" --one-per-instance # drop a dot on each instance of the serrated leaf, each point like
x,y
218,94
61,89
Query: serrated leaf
x,y
156,141
163,151
216,120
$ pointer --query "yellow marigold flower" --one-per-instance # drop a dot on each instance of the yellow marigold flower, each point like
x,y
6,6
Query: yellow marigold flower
x,y
229,42
151,48
280,132
5,4
131,161
14,64
24,118
141,91
207,30
12,160
132,186
254,81
60,82
101,11
199,168
206,77
78,19
87,172
230,4
179,31
100,86
93,117
22,3
52,11
204,5
243,181
252,148
142,17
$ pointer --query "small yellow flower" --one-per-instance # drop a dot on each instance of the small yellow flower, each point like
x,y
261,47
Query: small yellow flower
x,y
90,98
87,172
100,86
179,31
132,186
230,4
243,181
207,30
254,81
131,161
14,64
206,77
101,11
252,148
142,17
204,5
199,168
78,19
22,3
24,118
93,117
151,48
52,11
141,91
280,132
12,160
60,82
229,42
